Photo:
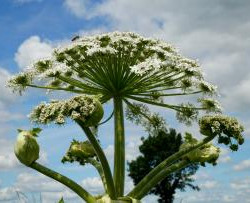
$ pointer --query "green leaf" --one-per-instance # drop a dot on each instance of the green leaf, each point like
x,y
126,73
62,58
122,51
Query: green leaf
x,y
19,130
61,200
35,131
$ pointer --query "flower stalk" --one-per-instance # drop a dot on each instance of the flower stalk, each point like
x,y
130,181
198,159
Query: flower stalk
x,y
135,193
65,181
104,162
119,149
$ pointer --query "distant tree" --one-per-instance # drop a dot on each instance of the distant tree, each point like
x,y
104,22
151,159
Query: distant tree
x,y
155,149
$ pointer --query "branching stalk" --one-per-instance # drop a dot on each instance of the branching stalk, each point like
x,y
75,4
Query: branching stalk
x,y
162,166
101,156
99,168
161,176
65,181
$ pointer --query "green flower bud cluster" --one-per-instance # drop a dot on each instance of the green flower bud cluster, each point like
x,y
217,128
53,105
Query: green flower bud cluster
x,y
80,152
228,129
210,105
26,147
140,114
187,113
208,153
85,108
19,83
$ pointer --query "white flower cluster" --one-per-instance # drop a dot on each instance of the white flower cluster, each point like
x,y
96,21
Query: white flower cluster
x,y
55,68
104,50
153,53
87,59
147,65
207,87
79,107
210,105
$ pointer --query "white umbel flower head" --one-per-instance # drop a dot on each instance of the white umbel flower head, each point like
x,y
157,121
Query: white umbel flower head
x,y
120,64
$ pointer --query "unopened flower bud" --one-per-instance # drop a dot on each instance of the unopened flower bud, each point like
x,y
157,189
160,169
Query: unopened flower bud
x,y
96,116
26,147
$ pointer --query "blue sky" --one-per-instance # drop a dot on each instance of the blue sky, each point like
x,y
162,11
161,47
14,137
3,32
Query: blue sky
x,y
215,32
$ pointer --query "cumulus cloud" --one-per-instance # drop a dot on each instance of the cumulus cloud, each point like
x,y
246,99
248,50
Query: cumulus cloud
x,y
241,188
201,175
79,8
6,94
31,50
8,159
224,156
132,151
7,97
243,165
30,183
209,184
94,185
8,194
241,184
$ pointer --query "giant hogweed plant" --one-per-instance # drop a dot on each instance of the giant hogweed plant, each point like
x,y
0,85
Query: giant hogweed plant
x,y
133,72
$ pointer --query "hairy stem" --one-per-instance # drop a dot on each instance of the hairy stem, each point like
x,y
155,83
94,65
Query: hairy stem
x,y
99,168
161,176
162,166
119,152
65,181
101,156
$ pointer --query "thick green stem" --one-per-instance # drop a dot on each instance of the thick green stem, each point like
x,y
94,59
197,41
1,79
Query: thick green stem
x,y
162,166
161,176
119,152
99,168
101,156
64,180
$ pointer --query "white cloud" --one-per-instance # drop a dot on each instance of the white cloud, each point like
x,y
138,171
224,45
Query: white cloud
x,y
9,116
95,31
77,7
31,50
131,147
228,198
8,194
224,159
7,97
242,165
241,184
209,184
30,182
224,156
6,94
201,175
67,195
240,90
8,159
93,185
